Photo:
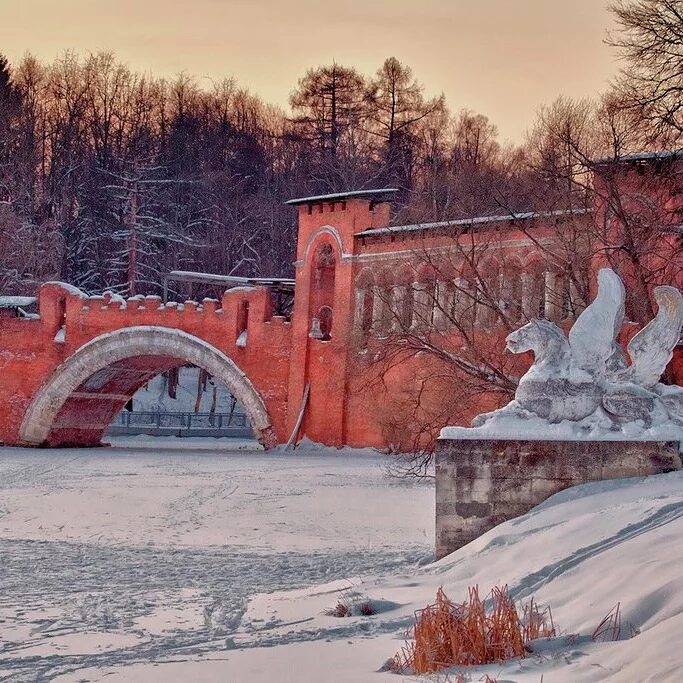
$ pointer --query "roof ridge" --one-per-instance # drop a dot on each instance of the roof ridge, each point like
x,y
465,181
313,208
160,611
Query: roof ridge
x,y
493,218
350,194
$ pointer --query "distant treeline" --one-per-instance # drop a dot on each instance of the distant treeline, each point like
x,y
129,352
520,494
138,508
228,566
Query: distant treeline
x,y
110,178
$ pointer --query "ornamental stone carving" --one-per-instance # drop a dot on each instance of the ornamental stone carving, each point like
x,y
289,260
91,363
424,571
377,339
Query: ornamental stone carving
x,y
585,379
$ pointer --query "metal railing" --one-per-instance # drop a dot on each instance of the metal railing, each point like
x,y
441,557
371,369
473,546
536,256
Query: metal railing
x,y
180,424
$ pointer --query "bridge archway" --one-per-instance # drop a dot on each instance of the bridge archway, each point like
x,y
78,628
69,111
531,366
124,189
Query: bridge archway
x,y
86,392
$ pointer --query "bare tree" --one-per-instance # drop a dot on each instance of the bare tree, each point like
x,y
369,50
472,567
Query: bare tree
x,y
475,279
396,105
650,41
635,214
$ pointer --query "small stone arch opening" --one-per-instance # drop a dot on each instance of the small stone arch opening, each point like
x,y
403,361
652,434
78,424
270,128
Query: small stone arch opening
x,y
384,309
323,275
512,291
534,289
490,293
325,316
405,298
78,403
242,324
425,294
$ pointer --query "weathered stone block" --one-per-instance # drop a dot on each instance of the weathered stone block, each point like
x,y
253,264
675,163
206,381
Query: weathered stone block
x,y
473,489
544,488
481,483
471,471
472,509
446,508
510,489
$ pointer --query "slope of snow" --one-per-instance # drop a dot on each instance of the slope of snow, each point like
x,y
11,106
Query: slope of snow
x,y
581,552
141,566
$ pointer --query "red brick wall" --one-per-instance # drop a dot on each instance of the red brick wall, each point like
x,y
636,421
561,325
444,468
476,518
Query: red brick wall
x,y
348,403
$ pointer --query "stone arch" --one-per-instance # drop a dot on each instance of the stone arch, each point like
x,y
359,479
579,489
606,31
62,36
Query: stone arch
x,y
332,235
490,291
383,309
84,394
511,289
405,296
534,286
425,296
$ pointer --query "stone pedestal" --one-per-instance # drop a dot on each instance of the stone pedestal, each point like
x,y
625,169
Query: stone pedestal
x,y
481,483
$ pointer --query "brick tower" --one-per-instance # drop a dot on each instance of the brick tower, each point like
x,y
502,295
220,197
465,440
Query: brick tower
x,y
322,320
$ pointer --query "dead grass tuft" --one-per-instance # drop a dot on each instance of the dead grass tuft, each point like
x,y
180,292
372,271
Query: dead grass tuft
x,y
366,609
609,629
341,609
348,607
448,634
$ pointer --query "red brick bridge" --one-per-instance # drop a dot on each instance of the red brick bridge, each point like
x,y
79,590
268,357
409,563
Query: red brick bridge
x,y
66,372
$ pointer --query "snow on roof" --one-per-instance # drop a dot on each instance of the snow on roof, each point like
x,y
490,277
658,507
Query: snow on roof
x,y
229,279
471,221
642,156
381,193
17,301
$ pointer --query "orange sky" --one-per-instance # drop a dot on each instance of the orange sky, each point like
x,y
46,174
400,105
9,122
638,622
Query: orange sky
x,y
503,58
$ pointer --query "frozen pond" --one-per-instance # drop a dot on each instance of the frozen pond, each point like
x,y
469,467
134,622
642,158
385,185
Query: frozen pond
x,y
132,554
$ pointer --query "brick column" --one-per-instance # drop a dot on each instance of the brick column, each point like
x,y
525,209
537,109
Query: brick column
x,y
552,297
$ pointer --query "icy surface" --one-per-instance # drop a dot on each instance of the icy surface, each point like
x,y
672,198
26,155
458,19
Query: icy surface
x,y
17,301
70,289
593,428
113,556
499,218
343,195
242,339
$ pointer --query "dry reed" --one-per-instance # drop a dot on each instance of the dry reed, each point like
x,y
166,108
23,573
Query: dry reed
x,y
609,628
447,633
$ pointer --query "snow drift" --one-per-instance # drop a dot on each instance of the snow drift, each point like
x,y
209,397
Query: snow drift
x,y
582,551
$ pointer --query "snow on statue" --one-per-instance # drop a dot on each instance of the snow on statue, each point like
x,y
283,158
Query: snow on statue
x,y
585,381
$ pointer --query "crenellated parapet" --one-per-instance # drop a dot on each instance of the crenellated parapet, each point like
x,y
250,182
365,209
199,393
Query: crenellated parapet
x,y
240,310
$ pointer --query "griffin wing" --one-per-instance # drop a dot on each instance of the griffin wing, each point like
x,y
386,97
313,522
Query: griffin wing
x,y
592,339
651,349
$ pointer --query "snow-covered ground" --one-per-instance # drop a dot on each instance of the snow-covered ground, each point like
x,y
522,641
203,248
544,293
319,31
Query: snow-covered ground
x,y
190,443
144,565
118,556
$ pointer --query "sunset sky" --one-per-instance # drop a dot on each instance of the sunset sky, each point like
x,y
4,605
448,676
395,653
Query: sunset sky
x,y
502,58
